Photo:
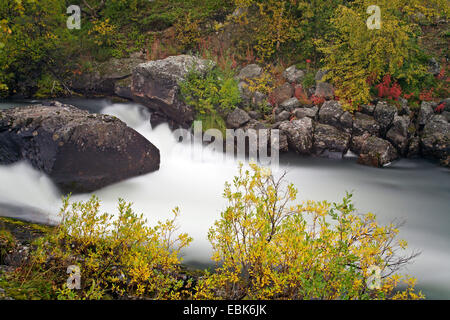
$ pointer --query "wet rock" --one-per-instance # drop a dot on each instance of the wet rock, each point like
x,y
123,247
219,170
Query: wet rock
x,y
364,123
80,152
299,134
330,141
435,140
398,133
293,75
384,115
122,88
373,151
156,85
237,118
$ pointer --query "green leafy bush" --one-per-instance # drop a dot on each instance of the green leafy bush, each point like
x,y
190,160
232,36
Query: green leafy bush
x,y
212,96
357,56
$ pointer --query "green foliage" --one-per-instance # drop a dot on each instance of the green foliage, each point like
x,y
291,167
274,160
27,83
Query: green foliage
x,y
117,256
48,86
357,56
38,286
34,40
7,244
267,247
309,80
212,95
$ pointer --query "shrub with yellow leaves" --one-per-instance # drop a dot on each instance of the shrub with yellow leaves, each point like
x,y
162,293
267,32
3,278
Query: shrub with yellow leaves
x,y
267,247
354,54
117,257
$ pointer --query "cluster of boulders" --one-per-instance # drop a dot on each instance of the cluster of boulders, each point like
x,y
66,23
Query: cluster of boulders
x,y
378,133
79,151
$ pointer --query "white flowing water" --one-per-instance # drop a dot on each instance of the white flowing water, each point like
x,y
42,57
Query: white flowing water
x,y
416,191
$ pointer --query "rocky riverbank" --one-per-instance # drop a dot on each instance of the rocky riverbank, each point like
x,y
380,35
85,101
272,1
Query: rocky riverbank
x,y
378,133
310,121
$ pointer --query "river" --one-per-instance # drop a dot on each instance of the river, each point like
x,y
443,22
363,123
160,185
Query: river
x,y
416,191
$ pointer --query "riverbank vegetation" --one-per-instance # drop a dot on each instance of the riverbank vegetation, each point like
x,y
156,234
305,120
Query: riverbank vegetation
x,y
265,246
39,54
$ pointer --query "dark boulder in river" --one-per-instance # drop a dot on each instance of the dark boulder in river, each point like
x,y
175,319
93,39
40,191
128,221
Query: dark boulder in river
x,y
81,152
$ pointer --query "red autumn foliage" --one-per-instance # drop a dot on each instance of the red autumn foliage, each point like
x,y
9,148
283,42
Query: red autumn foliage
x,y
271,99
426,95
440,107
408,95
300,93
317,100
441,74
386,90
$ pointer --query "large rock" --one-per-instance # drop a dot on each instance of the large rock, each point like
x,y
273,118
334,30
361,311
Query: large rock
x,y
237,118
156,85
324,90
282,93
330,141
81,152
436,138
330,113
346,122
299,134
110,77
373,151
306,112
290,104
446,103
398,133
425,113
364,123
320,74
250,72
293,75
282,116
384,115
